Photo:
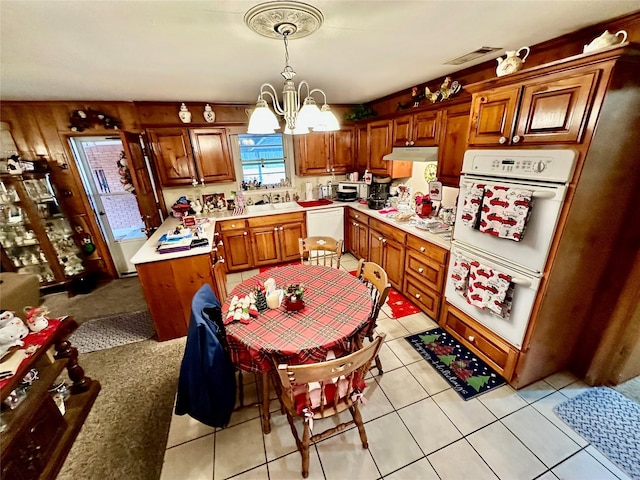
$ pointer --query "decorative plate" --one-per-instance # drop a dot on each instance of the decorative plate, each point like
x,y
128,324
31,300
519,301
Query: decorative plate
x,y
430,172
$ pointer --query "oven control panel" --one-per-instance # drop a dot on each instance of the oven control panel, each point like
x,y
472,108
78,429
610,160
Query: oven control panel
x,y
549,165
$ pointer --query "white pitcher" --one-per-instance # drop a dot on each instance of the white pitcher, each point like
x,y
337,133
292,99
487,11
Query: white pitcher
x,y
605,40
512,62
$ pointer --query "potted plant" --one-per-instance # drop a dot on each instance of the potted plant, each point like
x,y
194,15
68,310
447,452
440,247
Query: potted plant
x,y
293,297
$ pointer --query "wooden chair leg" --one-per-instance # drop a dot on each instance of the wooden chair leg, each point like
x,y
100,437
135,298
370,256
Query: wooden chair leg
x,y
378,362
266,415
306,440
357,418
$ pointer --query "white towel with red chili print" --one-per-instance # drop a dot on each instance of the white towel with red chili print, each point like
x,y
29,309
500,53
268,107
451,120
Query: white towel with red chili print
x,y
471,205
489,289
505,211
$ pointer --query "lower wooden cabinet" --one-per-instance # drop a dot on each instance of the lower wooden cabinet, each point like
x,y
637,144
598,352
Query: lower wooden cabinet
x,y
499,354
386,248
236,243
357,234
274,238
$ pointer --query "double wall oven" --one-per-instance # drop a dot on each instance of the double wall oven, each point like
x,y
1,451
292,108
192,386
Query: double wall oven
x,y
542,177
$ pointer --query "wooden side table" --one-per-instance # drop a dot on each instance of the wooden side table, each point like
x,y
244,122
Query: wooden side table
x,y
37,438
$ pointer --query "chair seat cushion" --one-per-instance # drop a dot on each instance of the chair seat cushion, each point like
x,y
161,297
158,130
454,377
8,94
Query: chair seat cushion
x,y
315,393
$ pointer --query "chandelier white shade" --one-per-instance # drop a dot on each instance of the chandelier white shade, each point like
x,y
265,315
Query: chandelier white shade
x,y
301,114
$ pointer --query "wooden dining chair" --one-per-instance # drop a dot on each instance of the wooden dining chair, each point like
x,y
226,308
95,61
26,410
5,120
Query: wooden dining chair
x,y
377,281
321,390
325,251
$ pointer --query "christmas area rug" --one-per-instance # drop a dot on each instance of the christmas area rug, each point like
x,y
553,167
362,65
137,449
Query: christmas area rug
x,y
397,303
468,375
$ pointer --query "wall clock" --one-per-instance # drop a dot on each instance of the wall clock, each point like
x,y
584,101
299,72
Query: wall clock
x,y
430,172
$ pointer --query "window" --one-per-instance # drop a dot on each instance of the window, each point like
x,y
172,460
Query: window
x,y
262,158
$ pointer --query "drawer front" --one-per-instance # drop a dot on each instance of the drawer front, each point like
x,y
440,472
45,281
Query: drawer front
x,y
423,297
388,231
276,219
230,225
361,218
427,270
497,353
432,251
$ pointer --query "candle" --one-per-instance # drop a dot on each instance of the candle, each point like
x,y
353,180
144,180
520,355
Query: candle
x,y
274,299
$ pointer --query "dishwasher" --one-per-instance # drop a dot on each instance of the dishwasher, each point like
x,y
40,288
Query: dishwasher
x,y
328,222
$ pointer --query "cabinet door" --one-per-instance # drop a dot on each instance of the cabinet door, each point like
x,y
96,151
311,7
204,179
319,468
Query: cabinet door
x,y
363,241
237,248
312,153
425,129
362,147
393,261
379,145
492,116
555,111
376,247
172,156
265,242
212,155
453,143
342,156
289,235
402,131
351,236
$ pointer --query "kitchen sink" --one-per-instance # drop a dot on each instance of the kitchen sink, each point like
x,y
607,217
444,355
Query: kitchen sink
x,y
285,205
270,207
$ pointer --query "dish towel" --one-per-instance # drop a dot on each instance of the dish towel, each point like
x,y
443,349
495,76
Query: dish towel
x,y
489,289
505,211
460,275
471,206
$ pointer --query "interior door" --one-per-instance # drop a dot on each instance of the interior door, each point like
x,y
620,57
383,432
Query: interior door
x,y
141,178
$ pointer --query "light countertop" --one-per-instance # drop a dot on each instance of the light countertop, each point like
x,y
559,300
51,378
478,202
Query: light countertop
x,y
148,253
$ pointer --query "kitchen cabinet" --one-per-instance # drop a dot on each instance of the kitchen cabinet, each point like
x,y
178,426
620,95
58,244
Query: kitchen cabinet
x,y
274,238
325,153
184,155
379,144
425,269
169,287
454,129
387,249
38,436
546,110
362,148
357,234
417,130
237,244
35,235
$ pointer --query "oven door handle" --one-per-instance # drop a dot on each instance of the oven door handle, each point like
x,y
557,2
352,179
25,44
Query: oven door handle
x,y
535,194
515,280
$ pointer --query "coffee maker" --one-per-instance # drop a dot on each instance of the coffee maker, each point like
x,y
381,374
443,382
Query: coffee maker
x,y
378,192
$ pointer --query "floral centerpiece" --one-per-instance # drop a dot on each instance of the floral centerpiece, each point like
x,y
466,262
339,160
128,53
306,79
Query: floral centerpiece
x,y
293,297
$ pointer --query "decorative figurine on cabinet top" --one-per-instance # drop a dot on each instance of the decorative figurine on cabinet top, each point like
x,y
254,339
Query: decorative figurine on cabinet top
x,y
184,114
512,62
209,114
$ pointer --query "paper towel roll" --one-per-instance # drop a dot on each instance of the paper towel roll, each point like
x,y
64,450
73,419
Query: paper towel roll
x,y
309,191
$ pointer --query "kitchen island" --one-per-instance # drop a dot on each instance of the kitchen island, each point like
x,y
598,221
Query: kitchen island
x,y
169,280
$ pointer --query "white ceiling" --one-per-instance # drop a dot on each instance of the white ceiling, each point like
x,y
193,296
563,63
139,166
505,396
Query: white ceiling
x,y
202,50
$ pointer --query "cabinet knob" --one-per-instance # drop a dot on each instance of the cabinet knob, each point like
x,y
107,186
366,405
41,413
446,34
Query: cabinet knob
x,y
328,170
233,225
422,249
379,239
420,270
502,140
406,144
357,216
281,228
418,296
275,229
384,240
471,338
244,233
356,224
516,138
411,142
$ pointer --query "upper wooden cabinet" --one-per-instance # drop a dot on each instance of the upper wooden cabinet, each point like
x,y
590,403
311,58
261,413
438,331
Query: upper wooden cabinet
x,y
549,109
325,153
380,135
416,130
454,128
183,155
362,148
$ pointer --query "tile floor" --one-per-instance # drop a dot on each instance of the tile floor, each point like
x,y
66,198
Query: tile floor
x,y
417,426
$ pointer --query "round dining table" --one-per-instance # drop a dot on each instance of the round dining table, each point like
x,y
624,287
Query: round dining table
x,y
337,307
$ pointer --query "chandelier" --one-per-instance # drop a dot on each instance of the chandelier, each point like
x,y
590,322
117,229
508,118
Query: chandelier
x,y
288,20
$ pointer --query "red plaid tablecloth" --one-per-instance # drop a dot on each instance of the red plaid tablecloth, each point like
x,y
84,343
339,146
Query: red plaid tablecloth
x,y
337,305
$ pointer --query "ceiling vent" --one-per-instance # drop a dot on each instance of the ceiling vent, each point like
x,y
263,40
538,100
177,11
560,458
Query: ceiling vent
x,y
472,55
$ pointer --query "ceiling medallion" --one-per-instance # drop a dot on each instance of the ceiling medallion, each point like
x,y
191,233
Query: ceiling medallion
x,y
273,19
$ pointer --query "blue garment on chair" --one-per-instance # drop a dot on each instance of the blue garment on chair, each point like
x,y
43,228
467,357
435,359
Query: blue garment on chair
x,y
207,384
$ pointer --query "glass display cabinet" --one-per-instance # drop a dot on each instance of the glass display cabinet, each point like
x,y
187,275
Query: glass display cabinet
x,y
35,235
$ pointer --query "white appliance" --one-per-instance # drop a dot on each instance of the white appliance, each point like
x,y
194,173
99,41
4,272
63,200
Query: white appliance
x,y
544,172
328,222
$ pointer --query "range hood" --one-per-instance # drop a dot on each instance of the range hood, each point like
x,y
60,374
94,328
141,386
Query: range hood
x,y
413,154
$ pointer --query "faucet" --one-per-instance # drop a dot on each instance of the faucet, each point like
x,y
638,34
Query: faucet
x,y
267,197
